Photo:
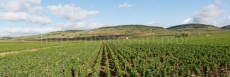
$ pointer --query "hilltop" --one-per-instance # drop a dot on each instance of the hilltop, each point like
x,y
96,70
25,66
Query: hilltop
x,y
5,38
120,31
192,27
123,31
131,26
226,27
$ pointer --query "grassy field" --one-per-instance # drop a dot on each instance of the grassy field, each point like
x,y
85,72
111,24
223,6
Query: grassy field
x,y
9,46
205,55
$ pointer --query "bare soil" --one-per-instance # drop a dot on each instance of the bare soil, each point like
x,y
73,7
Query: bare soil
x,y
102,66
94,63
111,65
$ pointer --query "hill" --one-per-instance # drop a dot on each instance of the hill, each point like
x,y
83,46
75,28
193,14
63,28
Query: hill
x,y
5,38
71,31
131,26
120,31
226,27
131,31
192,27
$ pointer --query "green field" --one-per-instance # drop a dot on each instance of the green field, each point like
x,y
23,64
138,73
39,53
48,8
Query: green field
x,y
137,57
114,38
17,46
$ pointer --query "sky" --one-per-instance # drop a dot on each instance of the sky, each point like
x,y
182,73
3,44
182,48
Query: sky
x,y
32,17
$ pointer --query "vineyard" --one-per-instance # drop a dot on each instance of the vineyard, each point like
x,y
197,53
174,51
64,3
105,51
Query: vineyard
x,y
167,57
61,61
173,60
17,46
114,38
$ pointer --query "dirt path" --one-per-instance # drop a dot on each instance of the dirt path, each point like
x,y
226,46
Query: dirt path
x,y
102,65
111,65
94,63
12,52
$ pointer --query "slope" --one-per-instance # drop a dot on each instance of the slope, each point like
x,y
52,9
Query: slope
x,y
194,27
226,27
120,31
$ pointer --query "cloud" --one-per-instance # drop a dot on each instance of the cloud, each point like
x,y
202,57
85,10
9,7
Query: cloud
x,y
186,21
158,24
22,10
125,5
207,14
35,9
15,32
70,12
224,22
20,5
228,18
23,16
80,25
227,21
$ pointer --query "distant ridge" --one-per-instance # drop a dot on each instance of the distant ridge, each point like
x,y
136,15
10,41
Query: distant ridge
x,y
5,38
196,26
123,31
71,31
226,27
131,26
117,31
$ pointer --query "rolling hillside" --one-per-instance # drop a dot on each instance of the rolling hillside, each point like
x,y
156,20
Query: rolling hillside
x,y
123,31
5,38
104,32
226,27
194,27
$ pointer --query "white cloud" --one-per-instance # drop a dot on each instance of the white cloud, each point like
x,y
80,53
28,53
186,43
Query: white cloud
x,y
23,16
158,24
186,21
15,32
229,17
224,22
80,25
22,10
227,21
207,14
125,5
35,9
70,12
20,5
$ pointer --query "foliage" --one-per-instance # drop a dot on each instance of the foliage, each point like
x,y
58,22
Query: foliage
x,y
196,26
182,35
226,27
199,56
55,62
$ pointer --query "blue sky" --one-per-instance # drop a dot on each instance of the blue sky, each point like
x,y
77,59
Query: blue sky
x,y
29,17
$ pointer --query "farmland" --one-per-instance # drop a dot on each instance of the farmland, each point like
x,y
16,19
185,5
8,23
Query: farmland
x,y
58,61
146,57
17,46
114,38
